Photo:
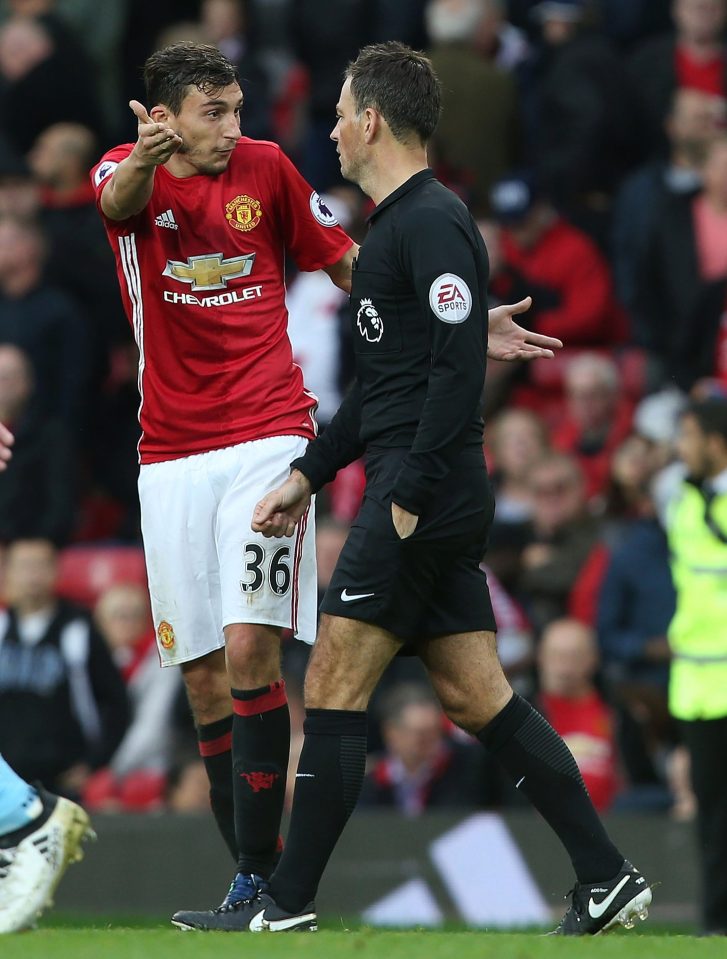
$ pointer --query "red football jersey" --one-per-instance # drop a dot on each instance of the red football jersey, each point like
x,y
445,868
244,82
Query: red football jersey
x,y
201,271
587,726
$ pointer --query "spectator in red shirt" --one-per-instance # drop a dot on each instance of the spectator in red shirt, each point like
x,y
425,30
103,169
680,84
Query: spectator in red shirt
x,y
558,264
597,418
694,56
569,700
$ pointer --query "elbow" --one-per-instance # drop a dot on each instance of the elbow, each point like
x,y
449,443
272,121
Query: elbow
x,y
117,215
110,209
343,283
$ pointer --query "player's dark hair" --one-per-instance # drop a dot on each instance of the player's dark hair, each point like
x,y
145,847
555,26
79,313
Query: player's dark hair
x,y
711,416
171,71
400,83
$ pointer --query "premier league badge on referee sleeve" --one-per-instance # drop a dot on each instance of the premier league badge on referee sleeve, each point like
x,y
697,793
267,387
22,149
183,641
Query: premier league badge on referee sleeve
x,y
369,323
450,298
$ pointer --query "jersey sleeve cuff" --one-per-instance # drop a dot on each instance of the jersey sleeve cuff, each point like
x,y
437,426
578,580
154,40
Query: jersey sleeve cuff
x,y
314,467
344,247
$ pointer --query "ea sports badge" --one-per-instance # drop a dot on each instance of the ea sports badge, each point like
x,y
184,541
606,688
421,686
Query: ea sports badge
x,y
450,298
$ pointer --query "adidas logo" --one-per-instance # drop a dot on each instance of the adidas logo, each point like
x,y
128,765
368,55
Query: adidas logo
x,y
167,220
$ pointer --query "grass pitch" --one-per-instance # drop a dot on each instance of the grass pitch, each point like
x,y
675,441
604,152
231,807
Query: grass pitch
x,y
96,940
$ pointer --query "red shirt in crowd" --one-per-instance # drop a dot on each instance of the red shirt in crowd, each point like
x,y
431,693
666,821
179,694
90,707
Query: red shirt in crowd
x,y
587,726
596,465
708,77
568,262
201,271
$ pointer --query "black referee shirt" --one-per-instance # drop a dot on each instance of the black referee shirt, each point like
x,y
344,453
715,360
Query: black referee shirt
x,y
419,315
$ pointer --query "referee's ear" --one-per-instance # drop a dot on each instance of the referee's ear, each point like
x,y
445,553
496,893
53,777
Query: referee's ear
x,y
374,123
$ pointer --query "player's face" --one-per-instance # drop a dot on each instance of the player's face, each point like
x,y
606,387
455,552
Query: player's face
x,y
347,135
209,127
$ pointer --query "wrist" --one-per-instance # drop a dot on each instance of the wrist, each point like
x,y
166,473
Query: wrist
x,y
140,165
301,480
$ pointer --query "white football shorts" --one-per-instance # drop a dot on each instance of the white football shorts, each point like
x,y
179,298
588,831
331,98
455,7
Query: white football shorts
x,y
206,567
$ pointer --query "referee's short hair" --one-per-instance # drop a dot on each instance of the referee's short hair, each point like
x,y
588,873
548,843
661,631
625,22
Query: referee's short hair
x,y
400,83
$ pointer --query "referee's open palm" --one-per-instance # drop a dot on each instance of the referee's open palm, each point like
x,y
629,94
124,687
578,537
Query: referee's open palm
x,y
508,341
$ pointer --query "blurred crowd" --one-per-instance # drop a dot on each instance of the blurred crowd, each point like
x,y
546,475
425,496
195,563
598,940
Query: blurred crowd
x,y
590,141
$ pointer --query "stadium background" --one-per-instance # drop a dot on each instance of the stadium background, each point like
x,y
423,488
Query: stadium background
x,y
589,141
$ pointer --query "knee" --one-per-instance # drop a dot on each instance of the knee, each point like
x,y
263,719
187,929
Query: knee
x,y
462,714
253,655
327,687
472,713
208,691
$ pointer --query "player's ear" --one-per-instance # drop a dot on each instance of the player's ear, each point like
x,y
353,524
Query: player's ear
x,y
159,114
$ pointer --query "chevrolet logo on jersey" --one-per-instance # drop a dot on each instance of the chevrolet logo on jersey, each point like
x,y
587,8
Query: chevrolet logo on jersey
x,y
210,271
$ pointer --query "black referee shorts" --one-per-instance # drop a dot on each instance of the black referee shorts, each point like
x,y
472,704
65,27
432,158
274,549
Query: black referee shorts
x,y
429,584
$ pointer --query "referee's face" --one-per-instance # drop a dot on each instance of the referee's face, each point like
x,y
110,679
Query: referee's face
x,y
347,135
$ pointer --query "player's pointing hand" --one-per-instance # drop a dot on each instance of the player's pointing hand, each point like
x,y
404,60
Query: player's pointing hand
x,y
157,141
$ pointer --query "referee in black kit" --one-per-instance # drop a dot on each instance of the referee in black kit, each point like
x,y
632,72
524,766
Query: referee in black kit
x,y
409,573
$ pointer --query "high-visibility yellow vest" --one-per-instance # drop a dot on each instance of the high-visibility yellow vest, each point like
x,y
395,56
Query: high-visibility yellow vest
x,y
698,631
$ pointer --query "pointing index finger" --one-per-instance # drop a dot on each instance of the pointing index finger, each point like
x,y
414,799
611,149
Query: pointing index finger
x,y
139,111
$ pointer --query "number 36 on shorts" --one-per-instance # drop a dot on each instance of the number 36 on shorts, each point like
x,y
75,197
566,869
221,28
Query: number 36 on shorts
x,y
263,568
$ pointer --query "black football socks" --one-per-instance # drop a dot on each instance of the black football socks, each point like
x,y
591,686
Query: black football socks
x,y
215,748
541,765
260,750
327,787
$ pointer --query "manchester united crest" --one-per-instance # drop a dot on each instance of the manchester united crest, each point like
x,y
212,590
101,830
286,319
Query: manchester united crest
x,y
258,781
243,213
165,633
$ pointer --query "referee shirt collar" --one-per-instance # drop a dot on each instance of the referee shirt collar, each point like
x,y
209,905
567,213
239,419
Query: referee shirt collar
x,y
405,188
